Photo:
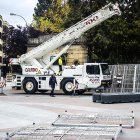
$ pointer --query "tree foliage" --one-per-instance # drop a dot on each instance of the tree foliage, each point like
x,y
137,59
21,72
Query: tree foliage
x,y
117,39
52,18
16,41
41,7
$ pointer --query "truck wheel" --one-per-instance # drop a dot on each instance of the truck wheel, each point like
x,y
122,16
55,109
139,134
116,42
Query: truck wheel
x,y
30,85
68,86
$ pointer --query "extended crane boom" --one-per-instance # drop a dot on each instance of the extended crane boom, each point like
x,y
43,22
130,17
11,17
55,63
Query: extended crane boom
x,y
34,56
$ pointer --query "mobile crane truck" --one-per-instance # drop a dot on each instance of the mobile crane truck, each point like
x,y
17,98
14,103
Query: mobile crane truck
x,y
36,66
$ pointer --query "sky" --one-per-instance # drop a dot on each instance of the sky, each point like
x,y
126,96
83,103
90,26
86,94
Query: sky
x,y
25,8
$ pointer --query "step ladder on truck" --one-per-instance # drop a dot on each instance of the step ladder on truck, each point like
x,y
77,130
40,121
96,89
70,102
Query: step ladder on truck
x,y
36,66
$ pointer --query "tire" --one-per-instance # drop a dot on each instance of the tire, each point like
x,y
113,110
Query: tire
x,y
68,86
42,91
30,85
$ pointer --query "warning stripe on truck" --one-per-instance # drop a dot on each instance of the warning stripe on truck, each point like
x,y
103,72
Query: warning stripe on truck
x,y
2,84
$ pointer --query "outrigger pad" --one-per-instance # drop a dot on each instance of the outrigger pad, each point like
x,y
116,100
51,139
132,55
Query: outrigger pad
x,y
96,97
110,98
115,97
120,97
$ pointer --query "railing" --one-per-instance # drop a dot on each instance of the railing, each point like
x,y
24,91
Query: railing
x,y
126,78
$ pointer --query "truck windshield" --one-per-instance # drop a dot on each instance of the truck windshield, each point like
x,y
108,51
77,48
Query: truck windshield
x,y
56,62
105,69
92,69
16,69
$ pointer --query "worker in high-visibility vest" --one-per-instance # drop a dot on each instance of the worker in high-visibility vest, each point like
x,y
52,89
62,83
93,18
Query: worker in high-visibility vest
x,y
60,63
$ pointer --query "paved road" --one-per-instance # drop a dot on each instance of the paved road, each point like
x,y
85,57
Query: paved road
x,y
18,109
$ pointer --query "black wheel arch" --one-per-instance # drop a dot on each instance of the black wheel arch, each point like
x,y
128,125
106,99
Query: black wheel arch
x,y
28,78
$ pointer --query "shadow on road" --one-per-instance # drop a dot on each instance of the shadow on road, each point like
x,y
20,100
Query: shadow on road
x,y
13,92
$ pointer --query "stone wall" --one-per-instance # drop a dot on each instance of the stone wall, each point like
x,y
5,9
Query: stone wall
x,y
77,52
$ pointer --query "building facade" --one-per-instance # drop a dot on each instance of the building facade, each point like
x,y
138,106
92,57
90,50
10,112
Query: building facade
x,y
3,29
1,42
76,53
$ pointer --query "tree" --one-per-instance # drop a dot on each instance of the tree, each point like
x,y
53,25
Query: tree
x,y
116,40
32,32
124,43
16,42
53,17
16,39
41,7
74,14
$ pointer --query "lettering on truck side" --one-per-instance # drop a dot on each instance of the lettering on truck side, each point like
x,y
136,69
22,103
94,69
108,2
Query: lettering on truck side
x,y
91,20
31,69
94,80
87,23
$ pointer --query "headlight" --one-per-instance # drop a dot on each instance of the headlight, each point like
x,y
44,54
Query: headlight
x,y
103,82
106,76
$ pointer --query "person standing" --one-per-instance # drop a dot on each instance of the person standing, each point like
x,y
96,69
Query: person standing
x,y
60,63
52,83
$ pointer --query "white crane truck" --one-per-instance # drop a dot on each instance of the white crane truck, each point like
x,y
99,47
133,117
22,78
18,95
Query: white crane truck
x,y
36,66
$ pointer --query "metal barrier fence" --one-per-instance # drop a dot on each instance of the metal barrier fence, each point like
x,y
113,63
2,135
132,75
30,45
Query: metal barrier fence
x,y
96,126
66,133
125,79
96,119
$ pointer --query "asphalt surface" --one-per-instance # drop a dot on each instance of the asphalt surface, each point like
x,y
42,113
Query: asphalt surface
x,y
18,109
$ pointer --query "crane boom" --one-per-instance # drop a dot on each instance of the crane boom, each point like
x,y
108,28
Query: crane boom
x,y
74,32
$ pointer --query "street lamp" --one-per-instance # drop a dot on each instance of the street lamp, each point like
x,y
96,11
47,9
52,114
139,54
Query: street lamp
x,y
13,14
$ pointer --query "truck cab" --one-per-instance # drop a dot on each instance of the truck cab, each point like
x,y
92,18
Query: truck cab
x,y
87,76
96,75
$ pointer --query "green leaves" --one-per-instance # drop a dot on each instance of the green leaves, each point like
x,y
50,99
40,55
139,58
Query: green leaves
x,y
16,42
53,17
